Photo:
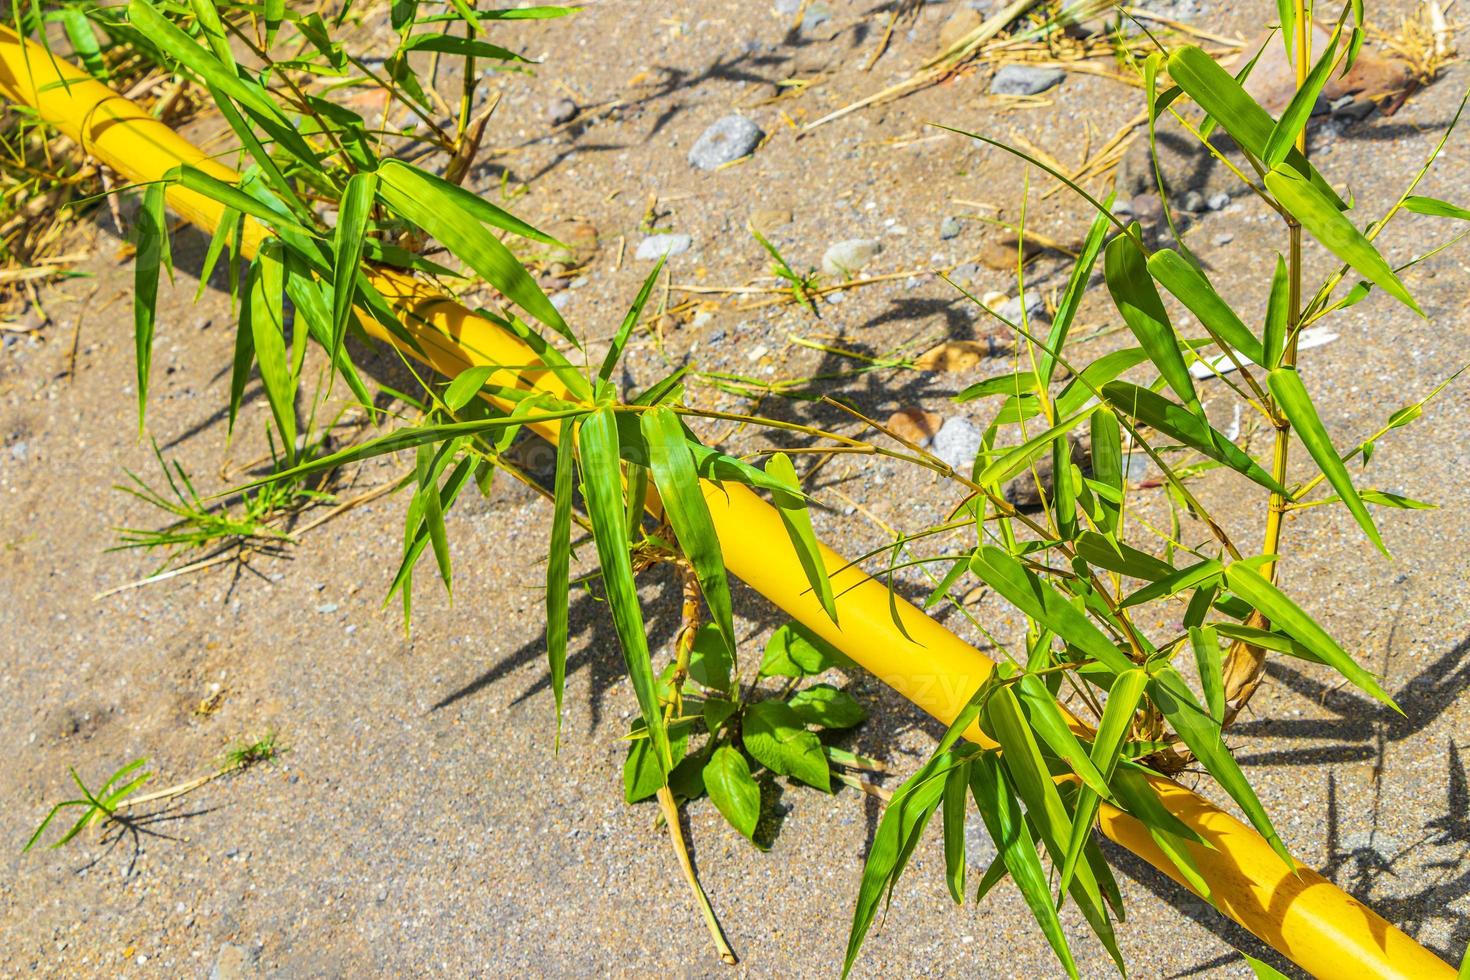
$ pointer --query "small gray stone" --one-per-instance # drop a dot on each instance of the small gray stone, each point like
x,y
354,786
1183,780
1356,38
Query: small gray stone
x,y
233,962
1218,202
725,141
1011,308
1352,108
965,272
1025,80
1193,202
816,15
847,257
561,111
957,442
1224,238
20,449
950,228
666,243
1147,207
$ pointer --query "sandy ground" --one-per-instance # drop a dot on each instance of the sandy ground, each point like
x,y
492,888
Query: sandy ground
x,y
420,823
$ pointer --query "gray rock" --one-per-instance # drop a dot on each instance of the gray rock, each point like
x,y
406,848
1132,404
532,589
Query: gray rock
x,y
1147,207
666,243
1194,202
561,111
1025,80
1353,108
1224,238
847,257
20,449
725,141
950,228
1218,202
1011,308
816,15
1022,491
965,272
957,442
233,962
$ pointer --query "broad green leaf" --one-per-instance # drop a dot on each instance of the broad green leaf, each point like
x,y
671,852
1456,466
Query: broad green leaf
x,y
642,775
558,565
151,239
1077,285
1096,549
1192,723
597,445
1138,301
684,506
798,523
716,712
776,738
1291,395
1278,313
1317,214
265,311
1191,288
1002,815
952,810
709,658
1286,615
352,222
795,651
1193,431
1045,605
827,707
731,789
431,203
1284,134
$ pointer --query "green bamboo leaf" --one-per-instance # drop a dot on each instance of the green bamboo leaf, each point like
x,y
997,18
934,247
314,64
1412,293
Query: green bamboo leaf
x,y
1277,314
1291,395
1105,552
265,311
1015,385
1080,390
1017,459
433,509
1065,483
464,47
684,505
798,522
1206,644
1305,202
1294,119
207,65
630,320
558,565
1191,288
1224,98
1140,800
1056,339
222,235
1286,615
1002,815
1123,699
952,810
206,15
1434,206
1189,577
466,385
353,213
597,445
275,12
732,790
1040,707
1126,272
431,203
1192,723
1046,606
1193,431
906,816
151,239
1107,462
1264,970
84,42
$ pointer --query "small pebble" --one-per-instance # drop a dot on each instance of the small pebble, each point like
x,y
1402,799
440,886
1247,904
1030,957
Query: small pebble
x,y
1218,202
847,257
1224,238
725,141
965,273
561,111
1011,308
957,442
666,243
1025,80
950,228
1193,202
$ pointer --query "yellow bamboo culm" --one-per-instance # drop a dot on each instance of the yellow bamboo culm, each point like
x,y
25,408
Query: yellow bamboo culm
x,y
1299,913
